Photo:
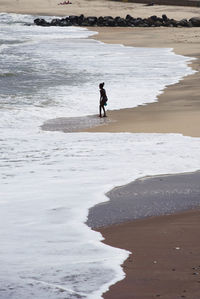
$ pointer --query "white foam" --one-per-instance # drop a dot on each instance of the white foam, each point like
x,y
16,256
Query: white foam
x,y
50,180
64,69
46,196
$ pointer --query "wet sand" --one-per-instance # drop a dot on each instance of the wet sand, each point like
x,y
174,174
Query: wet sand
x,y
147,197
165,262
165,249
165,257
74,124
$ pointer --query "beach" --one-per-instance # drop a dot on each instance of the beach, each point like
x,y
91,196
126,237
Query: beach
x,y
177,109
95,8
150,271
165,249
165,257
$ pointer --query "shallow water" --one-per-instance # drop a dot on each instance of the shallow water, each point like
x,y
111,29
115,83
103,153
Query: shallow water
x,y
49,180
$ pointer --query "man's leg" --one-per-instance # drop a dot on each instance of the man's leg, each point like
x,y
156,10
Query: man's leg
x,y
104,111
100,111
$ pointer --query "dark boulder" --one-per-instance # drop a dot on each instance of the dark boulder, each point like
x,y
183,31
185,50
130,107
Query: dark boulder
x,y
146,23
108,18
166,23
120,22
143,25
138,22
154,18
173,22
195,21
92,21
80,20
160,19
183,23
85,23
55,22
128,17
158,23
41,22
38,21
129,21
150,22
165,18
73,20
65,22
100,21
109,21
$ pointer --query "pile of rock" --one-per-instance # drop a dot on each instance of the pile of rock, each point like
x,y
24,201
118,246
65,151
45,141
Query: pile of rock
x,y
129,21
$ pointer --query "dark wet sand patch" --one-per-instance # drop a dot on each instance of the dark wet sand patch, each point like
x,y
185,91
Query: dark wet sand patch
x,y
74,124
165,249
147,197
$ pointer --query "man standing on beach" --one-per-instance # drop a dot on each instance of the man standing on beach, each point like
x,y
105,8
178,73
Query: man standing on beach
x,y
103,100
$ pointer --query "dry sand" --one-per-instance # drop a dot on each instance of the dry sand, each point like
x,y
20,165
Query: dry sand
x,y
165,249
93,7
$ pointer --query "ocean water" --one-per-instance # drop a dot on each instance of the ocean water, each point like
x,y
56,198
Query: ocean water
x,y
49,180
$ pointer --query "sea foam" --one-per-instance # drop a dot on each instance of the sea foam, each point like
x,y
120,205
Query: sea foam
x,y
49,180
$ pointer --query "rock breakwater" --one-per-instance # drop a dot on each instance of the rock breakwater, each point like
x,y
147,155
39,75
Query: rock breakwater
x,y
129,21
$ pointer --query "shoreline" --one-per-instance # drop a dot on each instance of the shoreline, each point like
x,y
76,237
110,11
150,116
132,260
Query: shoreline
x,y
164,245
144,280
165,257
168,115
172,109
169,112
172,112
147,197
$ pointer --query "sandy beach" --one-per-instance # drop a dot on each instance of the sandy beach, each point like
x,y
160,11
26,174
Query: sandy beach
x,y
165,257
95,8
165,249
177,109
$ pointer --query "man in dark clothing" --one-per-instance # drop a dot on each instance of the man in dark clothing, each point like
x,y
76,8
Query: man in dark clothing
x,y
103,100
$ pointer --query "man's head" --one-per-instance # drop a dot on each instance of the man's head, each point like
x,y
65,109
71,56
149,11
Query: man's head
x,y
101,85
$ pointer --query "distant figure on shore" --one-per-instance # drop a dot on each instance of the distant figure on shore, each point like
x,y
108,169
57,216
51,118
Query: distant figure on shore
x,y
64,3
103,100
